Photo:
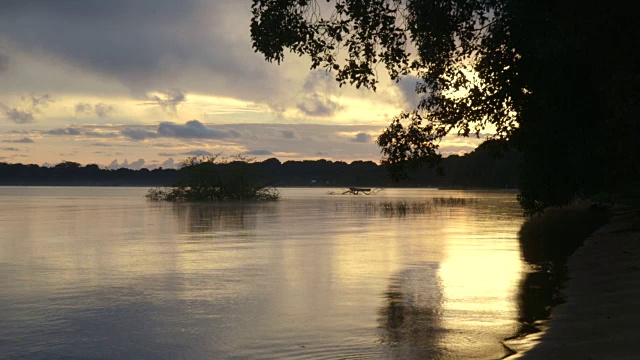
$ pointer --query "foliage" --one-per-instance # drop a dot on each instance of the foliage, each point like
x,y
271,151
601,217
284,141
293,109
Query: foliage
x,y
212,178
558,80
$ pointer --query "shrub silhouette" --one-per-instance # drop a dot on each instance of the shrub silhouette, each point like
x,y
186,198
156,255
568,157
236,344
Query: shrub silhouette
x,y
214,178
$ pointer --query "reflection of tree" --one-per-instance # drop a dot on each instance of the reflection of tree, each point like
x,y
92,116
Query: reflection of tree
x,y
210,217
539,292
411,317
545,243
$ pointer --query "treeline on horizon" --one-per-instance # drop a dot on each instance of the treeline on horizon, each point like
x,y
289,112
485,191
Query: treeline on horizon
x,y
478,169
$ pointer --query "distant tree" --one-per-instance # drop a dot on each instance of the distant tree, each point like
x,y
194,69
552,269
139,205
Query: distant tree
x,y
559,80
213,178
67,165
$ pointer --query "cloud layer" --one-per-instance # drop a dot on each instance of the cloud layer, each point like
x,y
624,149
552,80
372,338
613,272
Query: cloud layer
x,y
193,129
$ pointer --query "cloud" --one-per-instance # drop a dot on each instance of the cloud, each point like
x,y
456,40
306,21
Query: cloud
x,y
407,86
10,149
168,101
83,108
200,45
317,101
362,138
101,144
197,153
38,101
193,129
100,134
319,105
168,164
139,134
259,152
137,165
18,116
24,114
24,140
64,131
101,110
114,165
289,134
4,63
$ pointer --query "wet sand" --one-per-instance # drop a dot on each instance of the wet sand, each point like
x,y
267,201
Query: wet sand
x,y
601,316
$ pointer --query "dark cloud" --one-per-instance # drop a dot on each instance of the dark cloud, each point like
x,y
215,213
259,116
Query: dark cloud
x,y
17,116
129,31
24,114
362,138
197,153
321,153
101,110
64,131
167,154
24,140
168,101
4,63
319,105
289,134
10,149
193,129
98,134
316,101
259,152
146,43
164,145
38,101
139,134
83,109
101,144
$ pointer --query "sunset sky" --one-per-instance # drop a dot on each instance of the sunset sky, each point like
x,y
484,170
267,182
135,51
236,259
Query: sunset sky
x,y
147,83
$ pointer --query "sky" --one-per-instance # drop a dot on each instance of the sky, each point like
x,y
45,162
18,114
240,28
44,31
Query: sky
x,y
147,83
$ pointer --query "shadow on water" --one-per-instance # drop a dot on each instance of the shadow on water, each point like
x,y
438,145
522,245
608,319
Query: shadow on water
x,y
546,242
410,320
212,217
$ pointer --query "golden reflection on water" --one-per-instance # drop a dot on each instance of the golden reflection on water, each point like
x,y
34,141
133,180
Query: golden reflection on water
x,y
480,280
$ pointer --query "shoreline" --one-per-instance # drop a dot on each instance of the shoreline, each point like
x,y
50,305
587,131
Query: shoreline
x,y
600,317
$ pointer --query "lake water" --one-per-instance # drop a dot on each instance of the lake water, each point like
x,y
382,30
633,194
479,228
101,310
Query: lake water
x,y
101,273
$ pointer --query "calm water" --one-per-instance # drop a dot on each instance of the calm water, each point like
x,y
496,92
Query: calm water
x,y
100,273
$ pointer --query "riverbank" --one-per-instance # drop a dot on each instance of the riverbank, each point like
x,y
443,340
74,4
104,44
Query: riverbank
x,y
601,316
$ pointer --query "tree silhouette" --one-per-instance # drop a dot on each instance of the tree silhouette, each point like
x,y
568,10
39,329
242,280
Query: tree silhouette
x,y
555,79
212,178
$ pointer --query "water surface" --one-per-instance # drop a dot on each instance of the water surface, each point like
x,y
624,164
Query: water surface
x,y
101,273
